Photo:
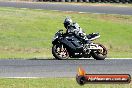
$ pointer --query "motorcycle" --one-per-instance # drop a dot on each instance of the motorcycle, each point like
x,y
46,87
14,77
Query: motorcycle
x,y
67,46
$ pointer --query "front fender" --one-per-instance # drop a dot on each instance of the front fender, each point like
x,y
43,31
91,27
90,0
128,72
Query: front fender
x,y
55,42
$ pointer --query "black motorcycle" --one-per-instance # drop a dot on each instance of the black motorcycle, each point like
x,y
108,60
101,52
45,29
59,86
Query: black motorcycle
x,y
69,46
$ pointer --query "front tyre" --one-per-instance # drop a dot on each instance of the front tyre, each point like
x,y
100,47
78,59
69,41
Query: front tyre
x,y
60,52
100,54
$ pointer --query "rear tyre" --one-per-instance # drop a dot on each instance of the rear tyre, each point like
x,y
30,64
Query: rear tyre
x,y
60,52
100,54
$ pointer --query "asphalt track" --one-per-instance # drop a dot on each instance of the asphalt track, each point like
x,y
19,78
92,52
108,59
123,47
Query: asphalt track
x,y
69,7
62,68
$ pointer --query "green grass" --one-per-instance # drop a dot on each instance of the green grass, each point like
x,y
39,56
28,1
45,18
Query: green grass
x,y
27,33
54,83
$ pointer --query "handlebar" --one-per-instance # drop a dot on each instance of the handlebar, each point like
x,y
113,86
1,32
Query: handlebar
x,y
60,30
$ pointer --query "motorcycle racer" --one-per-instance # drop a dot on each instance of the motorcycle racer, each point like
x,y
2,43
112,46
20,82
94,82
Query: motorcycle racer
x,y
74,43
74,28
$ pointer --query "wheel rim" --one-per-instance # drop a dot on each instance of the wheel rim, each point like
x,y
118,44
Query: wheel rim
x,y
103,51
61,51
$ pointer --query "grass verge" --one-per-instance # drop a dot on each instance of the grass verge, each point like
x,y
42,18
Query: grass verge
x,y
27,33
54,83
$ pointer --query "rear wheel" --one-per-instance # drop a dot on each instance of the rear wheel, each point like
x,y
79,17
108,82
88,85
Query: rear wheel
x,y
60,52
100,54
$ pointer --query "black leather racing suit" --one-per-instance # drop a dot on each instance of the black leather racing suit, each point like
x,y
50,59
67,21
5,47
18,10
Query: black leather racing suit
x,y
74,28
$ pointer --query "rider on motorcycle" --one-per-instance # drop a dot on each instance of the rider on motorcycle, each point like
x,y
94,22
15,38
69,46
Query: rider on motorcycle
x,y
74,28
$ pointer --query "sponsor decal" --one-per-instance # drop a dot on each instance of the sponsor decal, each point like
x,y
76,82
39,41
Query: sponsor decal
x,y
83,78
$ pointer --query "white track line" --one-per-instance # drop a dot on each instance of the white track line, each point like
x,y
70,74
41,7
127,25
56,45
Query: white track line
x,y
105,59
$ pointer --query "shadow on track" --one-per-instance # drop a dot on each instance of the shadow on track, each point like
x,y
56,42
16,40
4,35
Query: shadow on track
x,y
58,60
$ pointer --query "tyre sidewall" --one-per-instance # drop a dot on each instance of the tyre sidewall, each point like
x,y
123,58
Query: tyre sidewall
x,y
98,57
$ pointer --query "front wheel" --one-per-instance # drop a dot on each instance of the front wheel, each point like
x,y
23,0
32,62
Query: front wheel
x,y
60,52
100,54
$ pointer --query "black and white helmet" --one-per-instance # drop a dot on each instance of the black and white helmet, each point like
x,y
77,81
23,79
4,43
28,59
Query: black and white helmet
x,y
67,21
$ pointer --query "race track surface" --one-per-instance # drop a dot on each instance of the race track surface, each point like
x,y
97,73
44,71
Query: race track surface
x,y
62,68
69,7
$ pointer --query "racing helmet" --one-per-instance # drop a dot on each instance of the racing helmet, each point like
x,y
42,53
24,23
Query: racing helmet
x,y
67,22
